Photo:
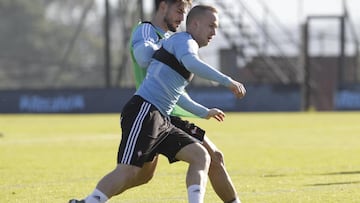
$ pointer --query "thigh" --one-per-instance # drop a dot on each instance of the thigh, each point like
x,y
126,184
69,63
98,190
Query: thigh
x,y
188,127
174,142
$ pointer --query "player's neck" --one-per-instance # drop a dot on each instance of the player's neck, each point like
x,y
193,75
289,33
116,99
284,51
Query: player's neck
x,y
158,20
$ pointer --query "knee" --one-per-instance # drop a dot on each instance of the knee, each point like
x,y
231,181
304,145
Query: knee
x,y
146,173
201,156
217,159
195,155
137,179
131,173
118,180
143,178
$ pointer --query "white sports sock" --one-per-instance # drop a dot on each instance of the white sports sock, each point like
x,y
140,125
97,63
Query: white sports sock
x,y
196,194
237,200
96,197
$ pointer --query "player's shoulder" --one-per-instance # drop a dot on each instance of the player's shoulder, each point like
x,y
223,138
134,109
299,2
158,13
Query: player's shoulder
x,y
179,35
145,31
179,38
182,39
143,26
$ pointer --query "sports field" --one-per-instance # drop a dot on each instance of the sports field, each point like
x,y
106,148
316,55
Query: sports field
x,y
272,157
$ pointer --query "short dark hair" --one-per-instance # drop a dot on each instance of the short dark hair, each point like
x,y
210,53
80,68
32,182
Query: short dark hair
x,y
198,11
157,2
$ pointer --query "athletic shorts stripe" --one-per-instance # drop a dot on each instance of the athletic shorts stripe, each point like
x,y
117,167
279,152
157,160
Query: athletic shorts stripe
x,y
134,133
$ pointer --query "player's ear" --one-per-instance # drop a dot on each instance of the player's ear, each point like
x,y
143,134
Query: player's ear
x,y
163,6
196,23
192,24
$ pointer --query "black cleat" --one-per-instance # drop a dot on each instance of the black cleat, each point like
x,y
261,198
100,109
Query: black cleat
x,y
76,201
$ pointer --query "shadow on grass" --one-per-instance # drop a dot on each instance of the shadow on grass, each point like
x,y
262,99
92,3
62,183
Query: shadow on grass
x,y
322,174
338,183
274,175
342,173
335,183
318,174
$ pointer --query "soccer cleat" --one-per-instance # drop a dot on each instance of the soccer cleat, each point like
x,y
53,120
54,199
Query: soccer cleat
x,y
76,201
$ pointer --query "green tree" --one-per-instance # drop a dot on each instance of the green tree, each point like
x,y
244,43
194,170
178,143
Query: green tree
x,y
49,43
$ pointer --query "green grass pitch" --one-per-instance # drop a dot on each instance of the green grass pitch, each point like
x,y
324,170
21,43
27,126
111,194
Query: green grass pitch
x,y
271,157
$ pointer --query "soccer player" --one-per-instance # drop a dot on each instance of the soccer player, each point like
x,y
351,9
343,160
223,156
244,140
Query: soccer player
x,y
177,60
145,122
146,39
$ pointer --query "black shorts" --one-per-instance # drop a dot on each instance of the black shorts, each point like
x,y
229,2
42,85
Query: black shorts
x,y
146,133
190,128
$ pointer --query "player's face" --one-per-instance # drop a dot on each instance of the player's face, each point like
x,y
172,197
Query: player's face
x,y
207,26
174,15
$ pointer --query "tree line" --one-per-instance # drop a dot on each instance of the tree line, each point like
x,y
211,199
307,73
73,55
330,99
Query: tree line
x,y
60,43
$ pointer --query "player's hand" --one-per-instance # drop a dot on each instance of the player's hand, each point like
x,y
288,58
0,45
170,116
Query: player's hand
x,y
216,113
238,89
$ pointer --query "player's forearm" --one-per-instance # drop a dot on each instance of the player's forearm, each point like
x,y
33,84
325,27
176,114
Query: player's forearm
x,y
191,106
201,69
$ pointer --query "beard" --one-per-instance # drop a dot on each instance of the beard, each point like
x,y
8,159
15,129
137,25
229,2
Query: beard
x,y
169,25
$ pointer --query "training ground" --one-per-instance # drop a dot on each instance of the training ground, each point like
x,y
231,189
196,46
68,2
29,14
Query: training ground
x,y
271,157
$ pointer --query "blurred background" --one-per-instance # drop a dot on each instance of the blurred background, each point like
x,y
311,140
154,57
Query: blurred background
x,y
61,56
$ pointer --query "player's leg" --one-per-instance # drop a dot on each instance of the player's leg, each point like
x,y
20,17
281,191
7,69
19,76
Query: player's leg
x,y
137,122
145,174
181,146
196,177
111,184
118,180
219,178
198,159
218,175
